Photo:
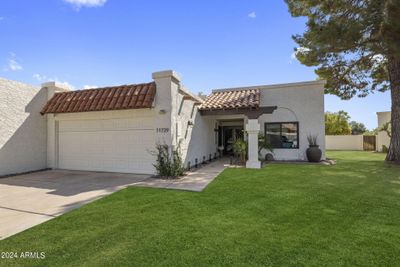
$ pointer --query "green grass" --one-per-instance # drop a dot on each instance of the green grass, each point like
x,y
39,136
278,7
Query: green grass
x,y
284,214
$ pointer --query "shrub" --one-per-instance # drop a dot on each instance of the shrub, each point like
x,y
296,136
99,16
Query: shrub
x,y
168,164
240,149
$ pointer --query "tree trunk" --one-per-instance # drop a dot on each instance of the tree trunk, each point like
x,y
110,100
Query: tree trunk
x,y
394,78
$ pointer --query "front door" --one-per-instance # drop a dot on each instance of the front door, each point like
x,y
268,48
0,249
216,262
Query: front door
x,y
231,134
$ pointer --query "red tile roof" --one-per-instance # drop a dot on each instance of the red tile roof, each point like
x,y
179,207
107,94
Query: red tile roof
x,y
232,99
132,96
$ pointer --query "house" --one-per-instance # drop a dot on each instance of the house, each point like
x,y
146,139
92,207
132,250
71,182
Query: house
x,y
23,134
382,139
116,128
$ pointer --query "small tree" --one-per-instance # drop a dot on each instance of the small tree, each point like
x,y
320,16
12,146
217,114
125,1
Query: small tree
x,y
387,128
337,123
168,164
357,128
372,132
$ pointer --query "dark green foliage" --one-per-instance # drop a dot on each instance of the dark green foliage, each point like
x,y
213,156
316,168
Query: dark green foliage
x,y
349,42
168,164
357,128
240,149
385,149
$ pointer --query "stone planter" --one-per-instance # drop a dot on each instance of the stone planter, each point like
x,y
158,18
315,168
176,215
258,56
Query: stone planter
x,y
314,154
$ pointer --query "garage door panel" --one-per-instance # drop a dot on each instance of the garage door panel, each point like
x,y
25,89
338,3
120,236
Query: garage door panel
x,y
98,148
123,124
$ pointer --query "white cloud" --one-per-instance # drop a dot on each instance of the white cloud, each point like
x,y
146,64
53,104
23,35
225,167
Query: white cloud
x,y
377,60
67,84
12,63
44,78
39,77
86,3
298,50
252,15
88,86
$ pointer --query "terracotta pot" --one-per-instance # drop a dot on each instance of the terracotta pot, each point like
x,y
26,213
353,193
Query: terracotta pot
x,y
314,154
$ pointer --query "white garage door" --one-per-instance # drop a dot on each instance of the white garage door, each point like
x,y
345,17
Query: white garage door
x,y
111,145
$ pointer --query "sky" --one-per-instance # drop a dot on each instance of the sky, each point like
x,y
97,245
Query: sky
x,y
211,44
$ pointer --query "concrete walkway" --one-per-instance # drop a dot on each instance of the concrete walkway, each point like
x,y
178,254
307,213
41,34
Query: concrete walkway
x,y
196,180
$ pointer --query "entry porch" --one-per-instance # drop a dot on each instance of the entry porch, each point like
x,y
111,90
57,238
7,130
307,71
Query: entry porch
x,y
235,114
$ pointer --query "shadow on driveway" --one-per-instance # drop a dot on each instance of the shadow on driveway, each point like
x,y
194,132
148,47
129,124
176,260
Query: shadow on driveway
x,y
30,199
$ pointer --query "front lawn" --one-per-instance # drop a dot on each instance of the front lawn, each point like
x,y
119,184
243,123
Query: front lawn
x,y
284,214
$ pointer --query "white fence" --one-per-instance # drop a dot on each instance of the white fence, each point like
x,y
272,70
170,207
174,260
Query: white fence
x,y
382,140
344,142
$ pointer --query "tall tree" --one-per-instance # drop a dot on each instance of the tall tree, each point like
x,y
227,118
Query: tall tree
x,y
355,45
337,123
357,128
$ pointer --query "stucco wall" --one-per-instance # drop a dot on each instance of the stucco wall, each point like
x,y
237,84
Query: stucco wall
x,y
345,142
300,102
383,139
22,128
196,140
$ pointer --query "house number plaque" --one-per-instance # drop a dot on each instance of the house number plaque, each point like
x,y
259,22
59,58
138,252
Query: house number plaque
x,y
162,130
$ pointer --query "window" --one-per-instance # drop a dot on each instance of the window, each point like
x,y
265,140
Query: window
x,y
282,134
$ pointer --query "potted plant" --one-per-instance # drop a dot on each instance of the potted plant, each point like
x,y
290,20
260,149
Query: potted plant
x,y
314,154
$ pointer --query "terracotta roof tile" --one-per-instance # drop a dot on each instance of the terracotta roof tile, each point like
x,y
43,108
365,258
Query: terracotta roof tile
x,y
133,96
232,99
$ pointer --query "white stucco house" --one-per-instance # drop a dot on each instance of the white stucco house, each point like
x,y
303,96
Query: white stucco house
x,y
113,129
382,139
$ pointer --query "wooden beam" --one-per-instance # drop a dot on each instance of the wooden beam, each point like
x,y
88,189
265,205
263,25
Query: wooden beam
x,y
250,113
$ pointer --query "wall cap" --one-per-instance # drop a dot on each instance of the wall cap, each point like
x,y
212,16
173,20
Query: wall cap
x,y
275,86
166,74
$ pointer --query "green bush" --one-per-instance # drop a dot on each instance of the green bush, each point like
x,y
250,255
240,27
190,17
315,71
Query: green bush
x,y
168,164
240,149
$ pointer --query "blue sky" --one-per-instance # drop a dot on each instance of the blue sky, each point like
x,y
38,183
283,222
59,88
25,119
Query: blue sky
x,y
212,44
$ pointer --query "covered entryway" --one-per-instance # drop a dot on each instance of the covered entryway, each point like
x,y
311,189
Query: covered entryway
x,y
239,102
111,145
228,132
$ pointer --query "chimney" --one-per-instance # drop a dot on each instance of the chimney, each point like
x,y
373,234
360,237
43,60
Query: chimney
x,y
168,84
54,87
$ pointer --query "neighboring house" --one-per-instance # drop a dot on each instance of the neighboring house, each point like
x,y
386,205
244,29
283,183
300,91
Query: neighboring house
x,y
116,128
382,138
23,134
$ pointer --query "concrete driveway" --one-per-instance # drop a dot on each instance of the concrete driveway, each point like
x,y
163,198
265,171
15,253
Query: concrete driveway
x,y
30,199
